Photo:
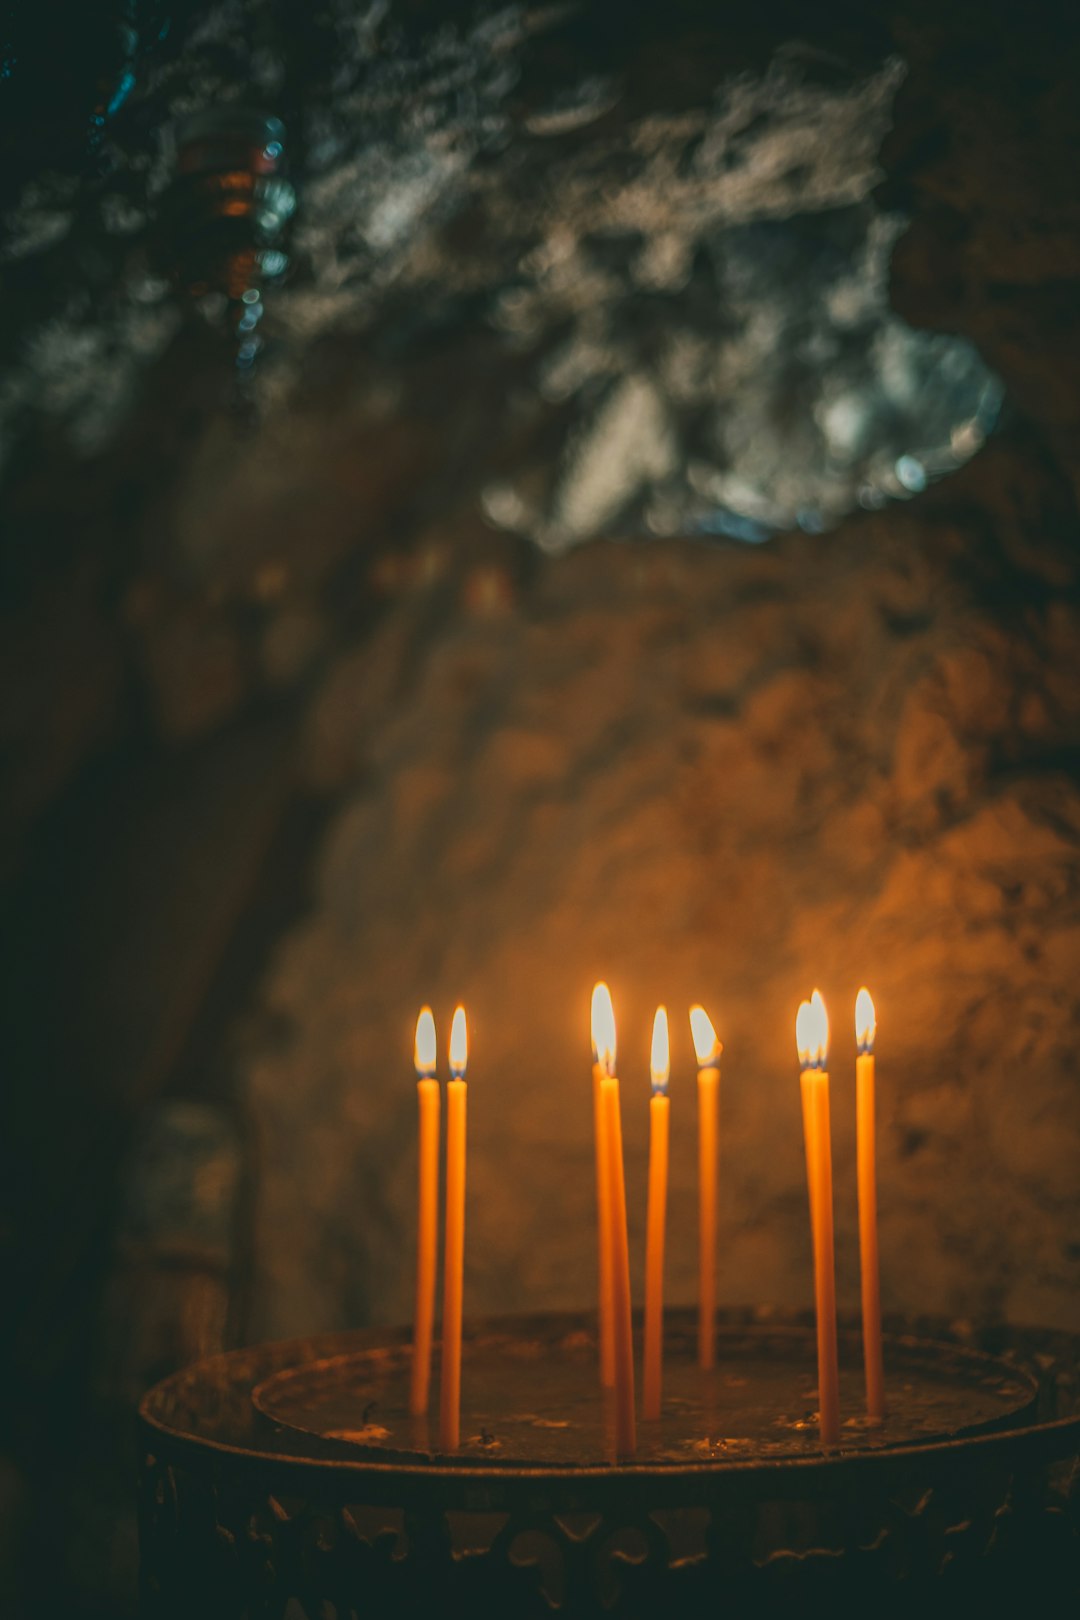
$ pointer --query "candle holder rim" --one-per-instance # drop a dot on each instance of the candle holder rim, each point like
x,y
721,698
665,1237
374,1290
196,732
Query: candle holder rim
x,y
1048,1438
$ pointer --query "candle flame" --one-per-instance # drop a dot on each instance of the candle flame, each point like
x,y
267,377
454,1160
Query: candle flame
x,y
706,1045
865,1021
812,1032
459,1045
425,1047
660,1062
603,1028
817,1001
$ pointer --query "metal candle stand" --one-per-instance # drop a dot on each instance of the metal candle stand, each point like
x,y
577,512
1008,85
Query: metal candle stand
x,y
286,1480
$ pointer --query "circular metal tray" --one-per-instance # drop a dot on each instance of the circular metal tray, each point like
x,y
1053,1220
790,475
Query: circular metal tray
x,y
289,1480
531,1399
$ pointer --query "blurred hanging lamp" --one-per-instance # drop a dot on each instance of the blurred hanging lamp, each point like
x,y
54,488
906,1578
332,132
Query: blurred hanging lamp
x,y
223,219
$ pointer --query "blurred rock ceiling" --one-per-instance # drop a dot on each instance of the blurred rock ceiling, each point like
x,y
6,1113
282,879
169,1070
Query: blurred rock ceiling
x,y
689,288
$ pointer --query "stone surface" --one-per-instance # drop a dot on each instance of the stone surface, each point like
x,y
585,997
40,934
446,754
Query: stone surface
x,y
713,775
628,222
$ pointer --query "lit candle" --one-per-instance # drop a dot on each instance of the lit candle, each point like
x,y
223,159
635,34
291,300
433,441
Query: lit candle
x,y
812,1040
454,1254
604,1044
708,1050
654,1247
427,1215
603,1033
865,1030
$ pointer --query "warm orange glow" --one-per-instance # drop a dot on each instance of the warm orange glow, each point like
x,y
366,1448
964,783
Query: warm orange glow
x,y
865,1021
425,1047
812,1032
660,1062
459,1045
603,1028
706,1045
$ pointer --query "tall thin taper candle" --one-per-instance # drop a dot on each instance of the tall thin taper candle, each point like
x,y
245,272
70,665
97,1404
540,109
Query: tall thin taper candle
x,y
708,1050
865,1030
812,1039
604,1046
427,1210
605,1304
454,1255
659,1106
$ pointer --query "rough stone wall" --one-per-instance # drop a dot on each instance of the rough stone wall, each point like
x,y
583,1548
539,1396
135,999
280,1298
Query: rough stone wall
x,y
719,775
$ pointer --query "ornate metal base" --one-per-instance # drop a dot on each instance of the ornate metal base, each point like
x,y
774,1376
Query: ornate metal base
x,y
288,1481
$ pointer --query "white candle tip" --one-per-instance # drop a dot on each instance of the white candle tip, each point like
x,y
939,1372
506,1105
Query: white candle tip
x,y
660,1060
865,1021
812,1032
706,1045
425,1046
603,1028
459,1045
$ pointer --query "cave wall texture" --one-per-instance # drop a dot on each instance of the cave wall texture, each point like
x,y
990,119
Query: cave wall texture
x,y
296,739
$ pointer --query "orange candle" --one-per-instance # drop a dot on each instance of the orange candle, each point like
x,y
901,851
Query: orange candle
x,y
654,1245
708,1050
812,1039
454,1254
611,1121
605,1301
865,1030
427,1212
